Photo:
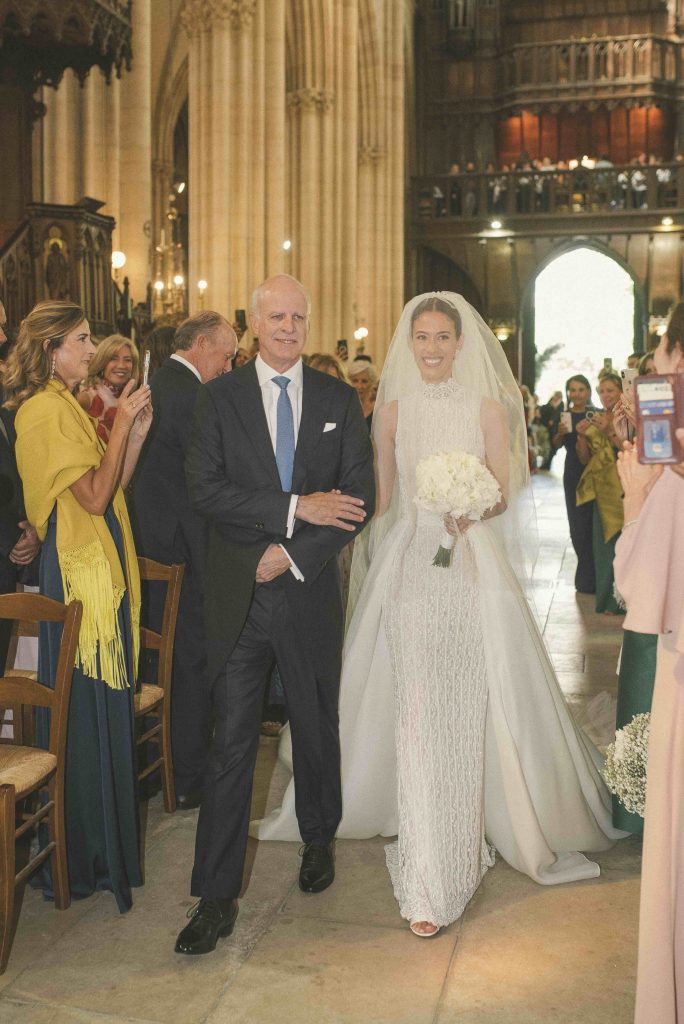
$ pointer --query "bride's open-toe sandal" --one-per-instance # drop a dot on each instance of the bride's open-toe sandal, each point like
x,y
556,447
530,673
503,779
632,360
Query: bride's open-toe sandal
x,y
424,929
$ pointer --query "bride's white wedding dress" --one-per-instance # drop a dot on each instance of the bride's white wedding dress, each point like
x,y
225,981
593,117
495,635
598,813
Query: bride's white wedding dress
x,y
454,732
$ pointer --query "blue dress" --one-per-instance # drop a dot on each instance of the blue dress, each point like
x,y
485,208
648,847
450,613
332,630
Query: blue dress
x,y
101,798
580,518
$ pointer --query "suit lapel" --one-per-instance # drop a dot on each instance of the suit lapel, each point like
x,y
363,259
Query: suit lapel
x,y
314,409
251,411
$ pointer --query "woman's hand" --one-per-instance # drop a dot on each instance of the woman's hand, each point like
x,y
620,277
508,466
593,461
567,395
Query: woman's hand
x,y
623,418
603,421
142,424
131,404
637,480
582,426
456,527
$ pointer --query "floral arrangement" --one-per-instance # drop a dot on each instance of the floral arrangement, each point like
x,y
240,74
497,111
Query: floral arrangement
x,y
454,484
627,764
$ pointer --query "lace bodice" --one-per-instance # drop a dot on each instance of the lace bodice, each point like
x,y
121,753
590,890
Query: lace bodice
x,y
435,418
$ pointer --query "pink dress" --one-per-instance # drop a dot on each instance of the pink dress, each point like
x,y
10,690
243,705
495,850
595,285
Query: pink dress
x,y
649,572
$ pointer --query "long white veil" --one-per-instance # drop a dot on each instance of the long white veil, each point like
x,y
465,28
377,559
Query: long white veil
x,y
481,367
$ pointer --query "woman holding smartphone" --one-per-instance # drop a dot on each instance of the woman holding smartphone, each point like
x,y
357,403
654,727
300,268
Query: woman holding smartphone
x,y
599,485
578,394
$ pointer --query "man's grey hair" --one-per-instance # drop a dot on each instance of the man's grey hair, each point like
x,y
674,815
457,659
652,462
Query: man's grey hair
x,y
266,286
201,323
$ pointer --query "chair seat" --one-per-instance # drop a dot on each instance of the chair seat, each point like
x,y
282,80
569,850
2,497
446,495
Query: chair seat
x,y
24,767
148,696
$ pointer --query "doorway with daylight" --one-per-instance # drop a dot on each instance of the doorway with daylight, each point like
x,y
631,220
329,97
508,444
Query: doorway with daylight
x,y
585,311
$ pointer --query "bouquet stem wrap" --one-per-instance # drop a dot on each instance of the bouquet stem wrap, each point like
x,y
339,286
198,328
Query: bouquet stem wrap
x,y
443,556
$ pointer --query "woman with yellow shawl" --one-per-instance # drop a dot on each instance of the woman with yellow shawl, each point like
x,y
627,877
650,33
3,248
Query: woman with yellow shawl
x,y
74,498
597,444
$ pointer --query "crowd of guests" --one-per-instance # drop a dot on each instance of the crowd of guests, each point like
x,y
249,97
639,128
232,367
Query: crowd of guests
x,y
624,187
91,476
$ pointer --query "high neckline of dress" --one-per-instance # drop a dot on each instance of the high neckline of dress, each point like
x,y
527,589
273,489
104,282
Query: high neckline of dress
x,y
442,389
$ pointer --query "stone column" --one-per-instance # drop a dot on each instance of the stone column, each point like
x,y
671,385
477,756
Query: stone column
x,y
135,162
237,147
381,171
62,167
93,145
112,157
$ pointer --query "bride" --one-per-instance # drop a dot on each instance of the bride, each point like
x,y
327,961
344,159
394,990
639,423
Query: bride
x,y
481,748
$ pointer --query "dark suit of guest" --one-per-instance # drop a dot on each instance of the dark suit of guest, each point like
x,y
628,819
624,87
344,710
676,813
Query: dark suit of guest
x,y
235,484
168,529
12,512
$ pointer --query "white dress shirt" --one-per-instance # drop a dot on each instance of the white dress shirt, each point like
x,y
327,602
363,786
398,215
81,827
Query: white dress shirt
x,y
270,393
179,359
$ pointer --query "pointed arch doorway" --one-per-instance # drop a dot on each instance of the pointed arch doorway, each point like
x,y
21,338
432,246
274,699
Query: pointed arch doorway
x,y
586,305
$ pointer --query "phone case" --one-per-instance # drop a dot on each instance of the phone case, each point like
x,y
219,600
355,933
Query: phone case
x,y
658,417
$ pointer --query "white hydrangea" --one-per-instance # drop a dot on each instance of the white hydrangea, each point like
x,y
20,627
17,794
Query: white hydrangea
x,y
627,764
455,483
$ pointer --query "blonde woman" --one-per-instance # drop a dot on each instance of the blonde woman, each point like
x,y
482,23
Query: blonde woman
x,y
363,377
74,499
328,364
115,362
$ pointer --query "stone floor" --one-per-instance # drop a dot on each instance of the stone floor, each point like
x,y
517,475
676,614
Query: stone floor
x,y
521,954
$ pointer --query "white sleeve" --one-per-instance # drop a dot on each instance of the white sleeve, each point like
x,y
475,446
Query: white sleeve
x,y
293,568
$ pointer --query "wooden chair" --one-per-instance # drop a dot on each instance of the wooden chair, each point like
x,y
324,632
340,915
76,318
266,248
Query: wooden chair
x,y
25,770
156,700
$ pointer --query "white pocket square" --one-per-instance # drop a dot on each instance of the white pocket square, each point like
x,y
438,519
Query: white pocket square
x,y
329,426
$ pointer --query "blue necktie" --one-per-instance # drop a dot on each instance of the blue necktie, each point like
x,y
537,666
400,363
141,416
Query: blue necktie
x,y
285,435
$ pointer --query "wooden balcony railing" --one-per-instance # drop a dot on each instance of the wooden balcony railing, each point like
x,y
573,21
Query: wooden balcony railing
x,y
581,191
568,68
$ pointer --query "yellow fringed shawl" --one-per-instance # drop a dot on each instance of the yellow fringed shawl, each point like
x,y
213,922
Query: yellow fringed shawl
x,y
56,445
600,481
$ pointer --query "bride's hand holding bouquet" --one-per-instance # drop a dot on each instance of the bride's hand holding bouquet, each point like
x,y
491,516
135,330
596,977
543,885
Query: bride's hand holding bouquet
x,y
460,488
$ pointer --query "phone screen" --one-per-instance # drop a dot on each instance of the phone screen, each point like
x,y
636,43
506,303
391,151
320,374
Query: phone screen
x,y
657,409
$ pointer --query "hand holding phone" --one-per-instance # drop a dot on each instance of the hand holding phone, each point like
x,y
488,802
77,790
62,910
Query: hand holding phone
x,y
660,416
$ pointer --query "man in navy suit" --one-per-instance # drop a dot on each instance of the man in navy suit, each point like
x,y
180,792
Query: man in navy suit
x,y
168,529
281,466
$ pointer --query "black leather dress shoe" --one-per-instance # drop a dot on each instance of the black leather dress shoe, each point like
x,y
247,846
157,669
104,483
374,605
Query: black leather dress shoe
x,y
211,920
318,867
188,801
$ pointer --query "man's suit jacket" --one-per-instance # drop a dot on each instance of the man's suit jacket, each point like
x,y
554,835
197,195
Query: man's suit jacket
x,y
234,483
165,523
12,510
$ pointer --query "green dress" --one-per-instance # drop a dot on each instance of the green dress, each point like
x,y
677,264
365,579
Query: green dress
x,y
600,483
635,692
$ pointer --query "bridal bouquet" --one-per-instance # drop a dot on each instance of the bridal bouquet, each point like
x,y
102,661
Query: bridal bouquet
x,y
627,763
456,484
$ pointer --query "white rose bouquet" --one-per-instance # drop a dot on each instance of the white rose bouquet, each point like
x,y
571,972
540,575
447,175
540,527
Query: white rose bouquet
x,y
627,764
454,484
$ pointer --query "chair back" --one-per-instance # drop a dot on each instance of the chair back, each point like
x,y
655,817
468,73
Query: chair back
x,y
21,691
172,575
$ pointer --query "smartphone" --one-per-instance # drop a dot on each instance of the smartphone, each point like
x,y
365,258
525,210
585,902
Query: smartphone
x,y
146,366
607,364
628,378
241,319
566,420
659,412
342,349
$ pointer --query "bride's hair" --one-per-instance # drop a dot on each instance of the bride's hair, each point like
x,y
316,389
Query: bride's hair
x,y
434,304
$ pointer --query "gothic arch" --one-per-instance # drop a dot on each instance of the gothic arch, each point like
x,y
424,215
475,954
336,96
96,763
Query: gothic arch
x,y
526,319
